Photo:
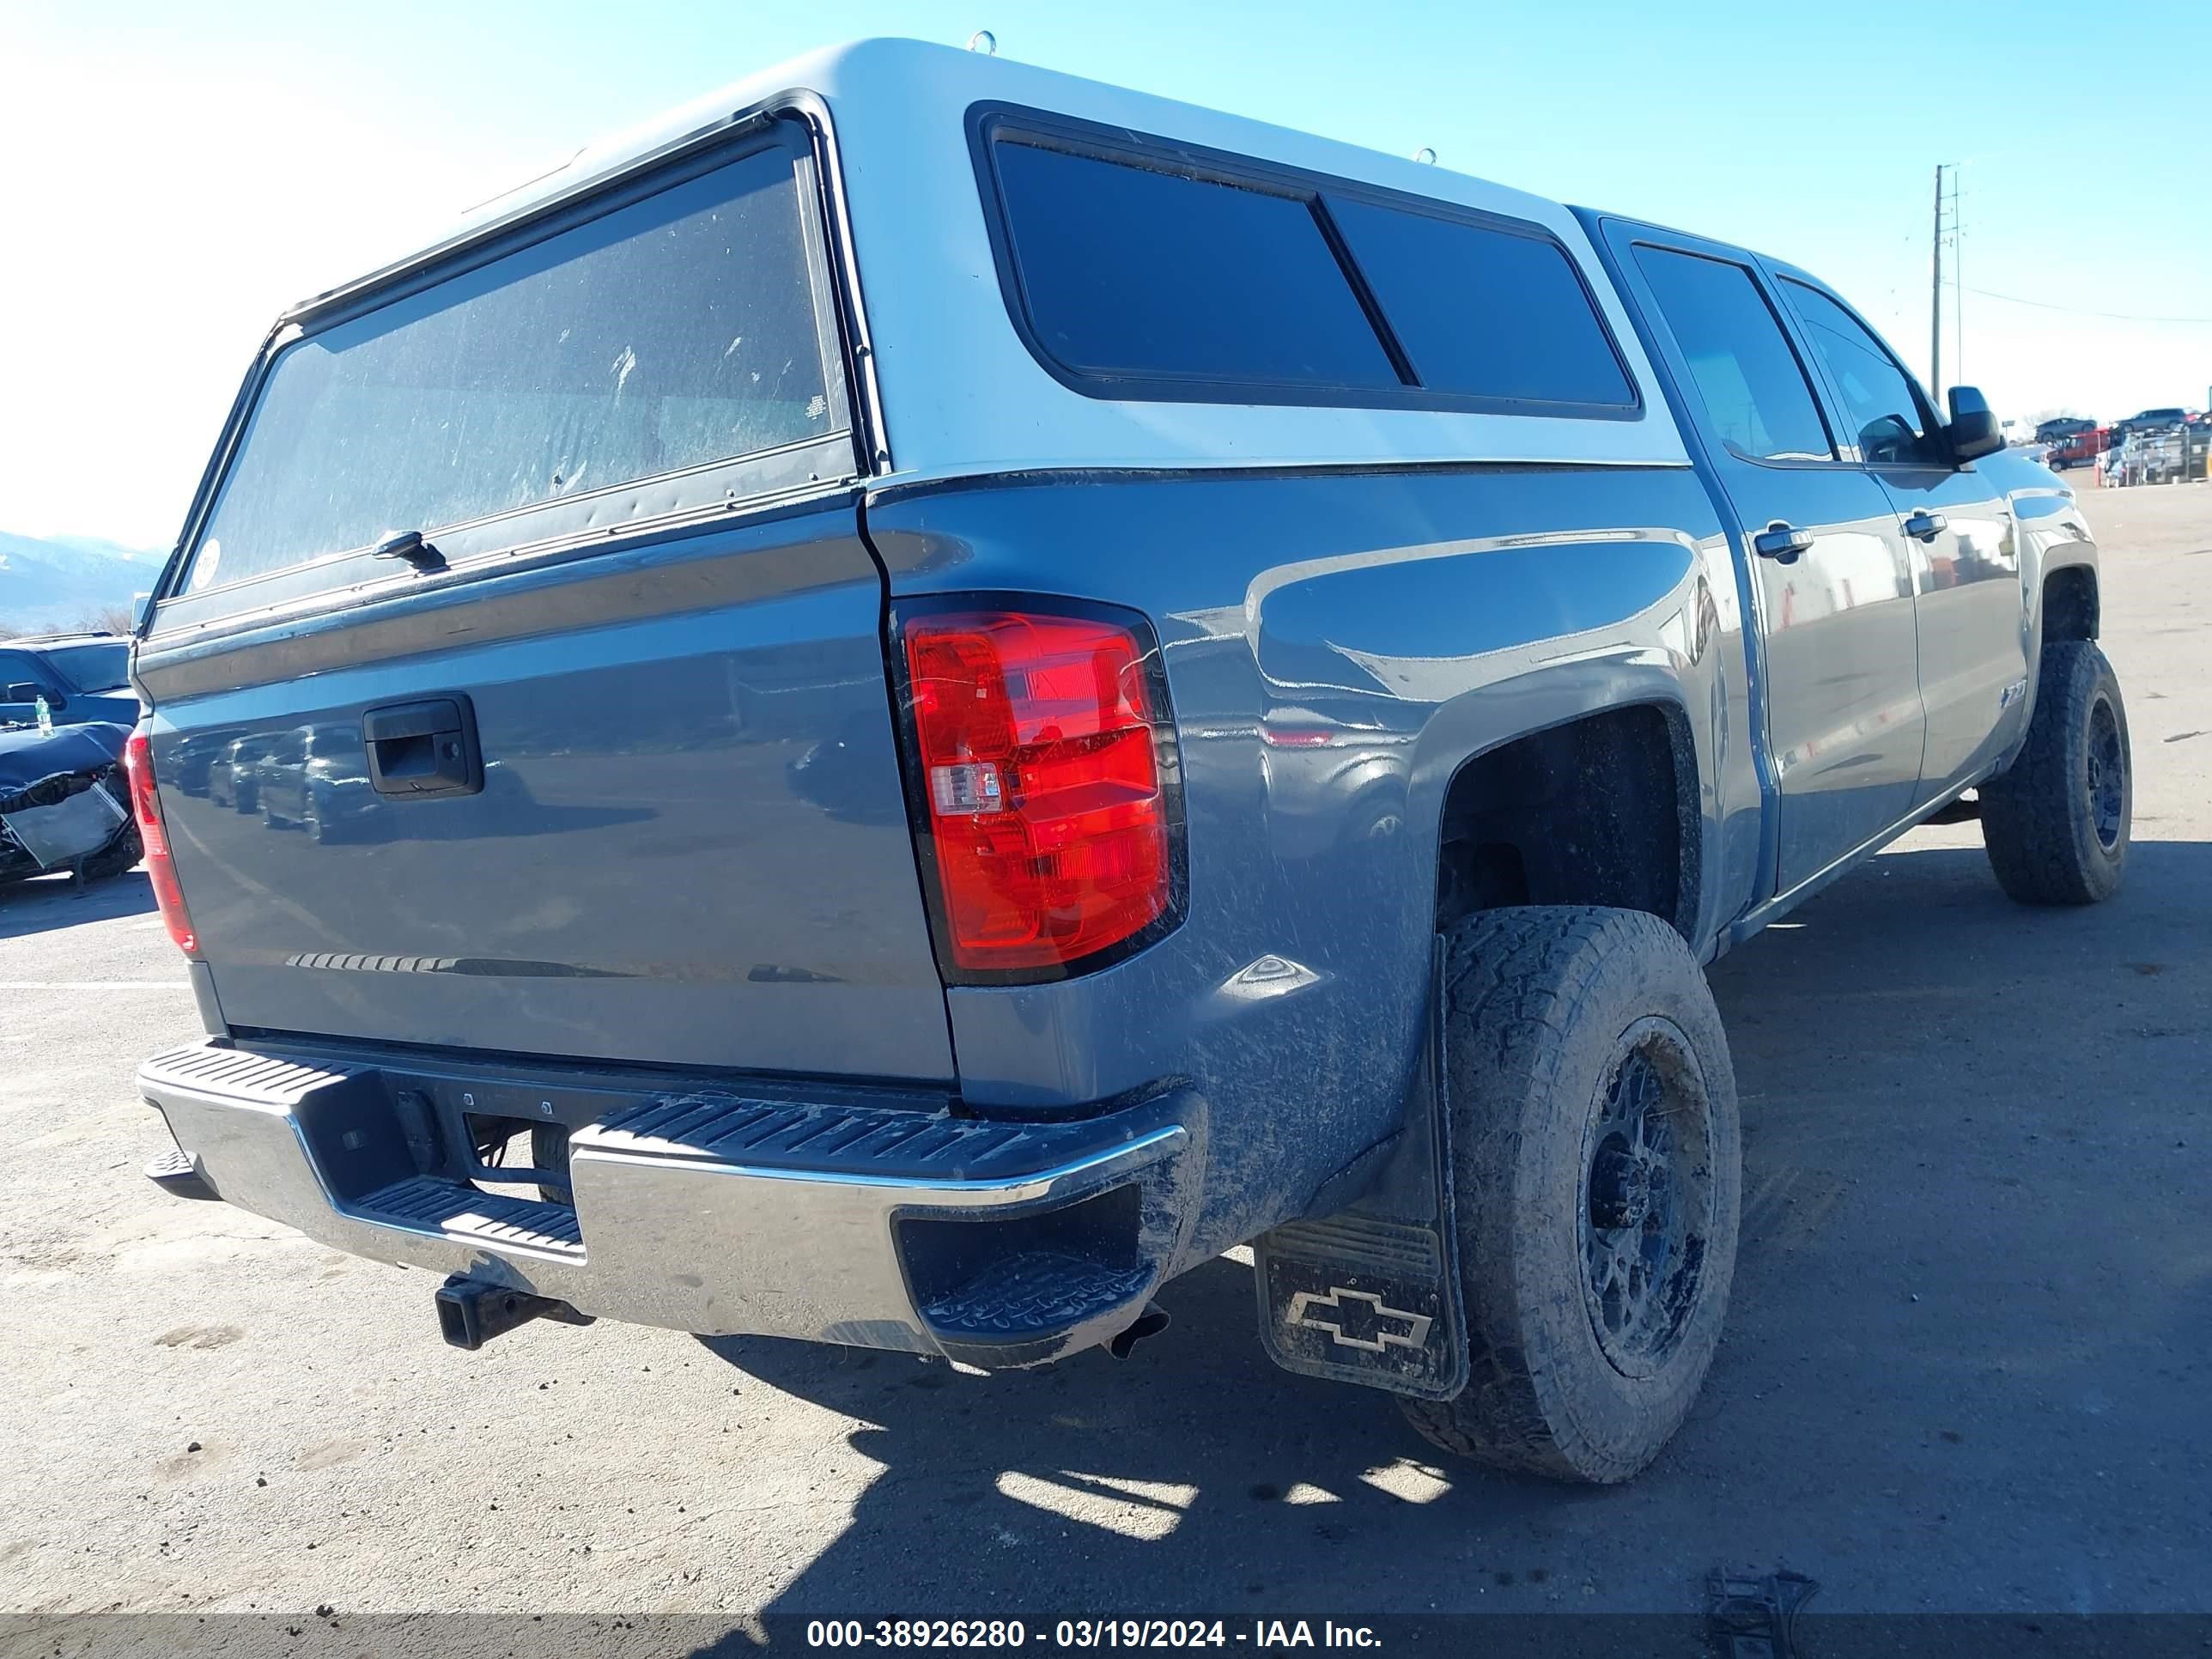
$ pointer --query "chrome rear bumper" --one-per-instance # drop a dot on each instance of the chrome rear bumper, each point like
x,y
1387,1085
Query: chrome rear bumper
x,y
719,1212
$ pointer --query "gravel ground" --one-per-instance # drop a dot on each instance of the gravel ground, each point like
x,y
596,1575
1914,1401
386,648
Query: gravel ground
x,y
1966,1351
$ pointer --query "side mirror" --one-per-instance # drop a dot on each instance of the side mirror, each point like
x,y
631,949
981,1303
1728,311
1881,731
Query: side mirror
x,y
142,605
24,692
1973,431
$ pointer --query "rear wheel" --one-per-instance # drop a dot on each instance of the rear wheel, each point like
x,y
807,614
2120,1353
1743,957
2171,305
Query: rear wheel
x,y
1595,1152
2057,824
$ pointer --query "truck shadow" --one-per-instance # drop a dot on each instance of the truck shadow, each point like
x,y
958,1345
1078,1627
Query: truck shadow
x,y
1193,1476
1935,1338
45,903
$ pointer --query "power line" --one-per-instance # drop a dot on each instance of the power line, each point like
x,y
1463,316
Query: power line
x,y
2083,311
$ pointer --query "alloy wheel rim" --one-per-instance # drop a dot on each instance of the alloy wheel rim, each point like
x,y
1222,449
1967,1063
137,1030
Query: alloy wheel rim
x,y
2106,778
1647,1191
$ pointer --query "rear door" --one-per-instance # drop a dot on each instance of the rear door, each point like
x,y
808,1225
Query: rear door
x,y
608,775
1957,530
1843,716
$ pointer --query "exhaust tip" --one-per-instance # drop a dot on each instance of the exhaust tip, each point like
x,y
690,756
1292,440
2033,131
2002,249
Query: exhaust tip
x,y
1150,1322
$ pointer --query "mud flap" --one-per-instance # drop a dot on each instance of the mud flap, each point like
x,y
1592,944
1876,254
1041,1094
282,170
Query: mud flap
x,y
1370,1294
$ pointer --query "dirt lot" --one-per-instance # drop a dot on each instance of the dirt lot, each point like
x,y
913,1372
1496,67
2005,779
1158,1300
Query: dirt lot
x,y
1966,1369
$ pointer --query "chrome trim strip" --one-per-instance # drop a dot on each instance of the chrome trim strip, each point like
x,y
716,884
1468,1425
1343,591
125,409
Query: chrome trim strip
x,y
1003,476
946,1193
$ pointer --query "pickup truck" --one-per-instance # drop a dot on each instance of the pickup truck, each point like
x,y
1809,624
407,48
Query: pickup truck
x,y
962,689
82,678
2081,449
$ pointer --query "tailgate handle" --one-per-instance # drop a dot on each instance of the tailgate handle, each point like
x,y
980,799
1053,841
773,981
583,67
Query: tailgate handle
x,y
423,749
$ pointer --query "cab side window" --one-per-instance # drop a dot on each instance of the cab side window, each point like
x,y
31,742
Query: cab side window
x,y
18,669
1753,388
1893,424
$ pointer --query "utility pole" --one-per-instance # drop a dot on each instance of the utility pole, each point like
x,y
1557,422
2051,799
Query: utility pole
x,y
1935,294
1957,282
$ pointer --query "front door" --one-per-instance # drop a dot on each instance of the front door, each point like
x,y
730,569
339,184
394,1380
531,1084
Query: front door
x,y
1832,574
20,672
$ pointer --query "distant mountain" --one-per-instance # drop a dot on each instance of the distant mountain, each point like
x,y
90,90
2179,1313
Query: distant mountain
x,y
69,581
155,556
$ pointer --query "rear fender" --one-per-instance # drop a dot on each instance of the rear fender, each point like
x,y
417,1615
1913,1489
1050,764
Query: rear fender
x,y
1337,648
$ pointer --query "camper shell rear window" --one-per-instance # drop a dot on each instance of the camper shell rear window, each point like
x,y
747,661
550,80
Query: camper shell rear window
x,y
669,348
1136,268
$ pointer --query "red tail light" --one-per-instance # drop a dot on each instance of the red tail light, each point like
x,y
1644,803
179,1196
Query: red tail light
x,y
1040,740
154,835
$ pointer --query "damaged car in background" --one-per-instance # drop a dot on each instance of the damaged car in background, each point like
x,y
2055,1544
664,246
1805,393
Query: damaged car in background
x,y
63,802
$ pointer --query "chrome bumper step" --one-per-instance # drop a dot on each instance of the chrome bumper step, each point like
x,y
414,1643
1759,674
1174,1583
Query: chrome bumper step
x,y
711,1128
459,1210
713,1212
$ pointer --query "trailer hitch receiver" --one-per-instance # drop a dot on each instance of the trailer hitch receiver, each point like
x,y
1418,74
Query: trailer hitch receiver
x,y
472,1311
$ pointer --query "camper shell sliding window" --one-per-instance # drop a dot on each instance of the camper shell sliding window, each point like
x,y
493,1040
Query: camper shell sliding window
x,y
663,349
1139,268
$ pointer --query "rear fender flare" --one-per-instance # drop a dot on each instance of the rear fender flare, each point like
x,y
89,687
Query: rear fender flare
x,y
1555,695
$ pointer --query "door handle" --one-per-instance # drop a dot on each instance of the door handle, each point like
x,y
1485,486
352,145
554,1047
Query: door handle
x,y
1782,543
426,748
1926,527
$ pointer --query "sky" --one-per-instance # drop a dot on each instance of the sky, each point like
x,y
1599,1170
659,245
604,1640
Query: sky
x,y
174,176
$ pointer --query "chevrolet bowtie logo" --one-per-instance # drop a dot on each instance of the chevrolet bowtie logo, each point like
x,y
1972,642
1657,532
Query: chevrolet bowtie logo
x,y
1355,1319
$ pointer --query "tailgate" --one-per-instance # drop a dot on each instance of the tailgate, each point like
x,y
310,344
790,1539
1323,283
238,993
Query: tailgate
x,y
607,772
688,846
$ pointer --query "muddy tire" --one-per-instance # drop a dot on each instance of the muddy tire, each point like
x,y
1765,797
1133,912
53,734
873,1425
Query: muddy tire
x,y
1596,1162
2057,824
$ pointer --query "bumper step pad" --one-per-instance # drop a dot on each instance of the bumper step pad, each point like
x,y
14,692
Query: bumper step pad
x,y
457,1210
177,1172
1022,1309
1025,1295
715,1127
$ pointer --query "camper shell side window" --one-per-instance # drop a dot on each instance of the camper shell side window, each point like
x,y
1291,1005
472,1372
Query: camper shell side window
x,y
1136,268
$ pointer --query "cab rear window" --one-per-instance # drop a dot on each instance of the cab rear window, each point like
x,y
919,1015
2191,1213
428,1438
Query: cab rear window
x,y
90,668
1165,274
679,328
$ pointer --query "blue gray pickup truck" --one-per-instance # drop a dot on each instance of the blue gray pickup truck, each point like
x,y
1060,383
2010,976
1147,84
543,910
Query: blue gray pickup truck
x,y
950,690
